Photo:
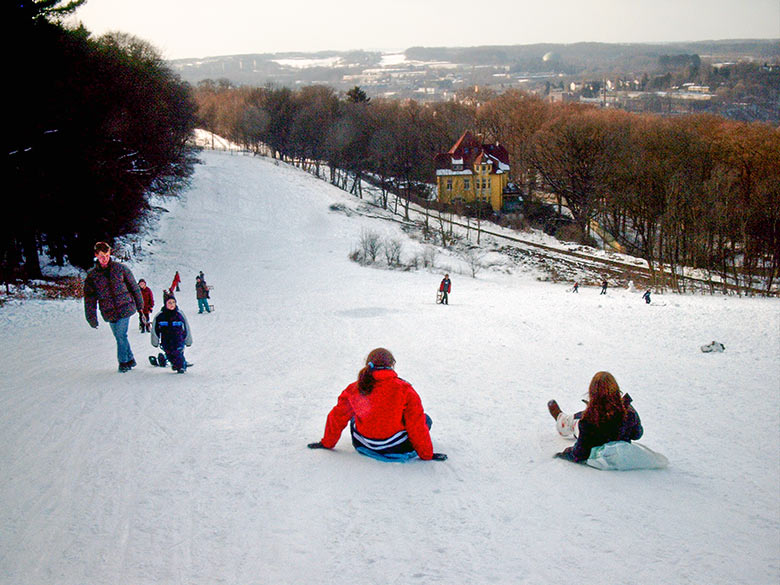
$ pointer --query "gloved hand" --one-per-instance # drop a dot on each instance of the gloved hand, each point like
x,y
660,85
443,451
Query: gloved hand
x,y
439,457
316,445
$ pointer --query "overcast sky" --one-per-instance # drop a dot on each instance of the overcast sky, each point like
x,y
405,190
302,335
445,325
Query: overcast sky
x,y
200,28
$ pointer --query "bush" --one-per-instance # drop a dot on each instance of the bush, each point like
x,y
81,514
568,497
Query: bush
x,y
393,251
370,245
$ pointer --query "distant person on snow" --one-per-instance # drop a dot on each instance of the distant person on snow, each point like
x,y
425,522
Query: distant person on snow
x,y
646,296
112,285
444,288
202,294
607,417
385,415
172,332
144,315
175,283
576,287
603,287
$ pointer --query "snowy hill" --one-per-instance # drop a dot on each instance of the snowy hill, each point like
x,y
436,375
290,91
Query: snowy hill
x,y
150,477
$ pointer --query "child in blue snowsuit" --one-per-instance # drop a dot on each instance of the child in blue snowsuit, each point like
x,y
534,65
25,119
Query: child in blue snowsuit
x,y
172,332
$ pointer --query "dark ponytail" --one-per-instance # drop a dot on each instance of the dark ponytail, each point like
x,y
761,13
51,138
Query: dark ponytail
x,y
379,359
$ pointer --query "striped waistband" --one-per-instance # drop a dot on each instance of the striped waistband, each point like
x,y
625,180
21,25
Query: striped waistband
x,y
379,444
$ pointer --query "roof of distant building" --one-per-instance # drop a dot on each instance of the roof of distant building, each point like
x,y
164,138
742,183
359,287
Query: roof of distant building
x,y
467,152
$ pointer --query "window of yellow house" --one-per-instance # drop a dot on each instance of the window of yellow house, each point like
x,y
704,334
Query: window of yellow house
x,y
467,184
449,184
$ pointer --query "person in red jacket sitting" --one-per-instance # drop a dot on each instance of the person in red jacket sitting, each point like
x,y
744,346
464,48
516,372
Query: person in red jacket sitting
x,y
384,412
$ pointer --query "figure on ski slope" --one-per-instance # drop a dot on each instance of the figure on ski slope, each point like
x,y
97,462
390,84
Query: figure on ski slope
x,y
144,315
444,288
112,285
607,417
385,415
202,294
172,332
175,283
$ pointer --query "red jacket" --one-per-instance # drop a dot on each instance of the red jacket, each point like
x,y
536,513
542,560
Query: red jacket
x,y
146,293
445,286
392,406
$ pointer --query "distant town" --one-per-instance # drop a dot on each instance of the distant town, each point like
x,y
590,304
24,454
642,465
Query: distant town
x,y
736,79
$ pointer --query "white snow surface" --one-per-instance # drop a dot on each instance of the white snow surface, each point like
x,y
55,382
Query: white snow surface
x,y
151,477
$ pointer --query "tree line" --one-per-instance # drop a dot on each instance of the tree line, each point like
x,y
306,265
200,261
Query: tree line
x,y
700,191
96,125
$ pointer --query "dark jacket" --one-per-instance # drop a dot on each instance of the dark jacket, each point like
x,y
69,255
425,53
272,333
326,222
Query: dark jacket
x,y
115,289
201,290
171,330
446,285
617,429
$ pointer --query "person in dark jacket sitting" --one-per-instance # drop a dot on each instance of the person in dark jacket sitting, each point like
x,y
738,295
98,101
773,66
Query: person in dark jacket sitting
x,y
608,416
172,332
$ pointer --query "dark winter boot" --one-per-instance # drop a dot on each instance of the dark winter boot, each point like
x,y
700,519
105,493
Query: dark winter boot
x,y
162,361
153,360
554,409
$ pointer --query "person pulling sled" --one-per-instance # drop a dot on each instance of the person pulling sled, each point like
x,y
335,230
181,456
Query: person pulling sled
x,y
442,296
172,332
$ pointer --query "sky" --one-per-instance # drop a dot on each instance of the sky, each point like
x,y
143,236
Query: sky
x,y
202,28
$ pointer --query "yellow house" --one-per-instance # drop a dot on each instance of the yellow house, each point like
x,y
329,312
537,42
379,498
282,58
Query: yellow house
x,y
474,172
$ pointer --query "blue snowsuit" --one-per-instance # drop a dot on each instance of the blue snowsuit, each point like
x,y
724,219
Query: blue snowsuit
x,y
172,332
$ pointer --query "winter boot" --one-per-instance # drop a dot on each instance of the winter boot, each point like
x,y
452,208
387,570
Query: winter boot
x,y
554,409
162,361
153,360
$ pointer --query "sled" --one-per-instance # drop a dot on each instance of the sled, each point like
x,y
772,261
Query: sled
x,y
714,347
439,296
389,457
211,308
624,456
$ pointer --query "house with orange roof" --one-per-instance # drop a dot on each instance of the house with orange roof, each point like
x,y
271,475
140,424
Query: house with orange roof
x,y
473,172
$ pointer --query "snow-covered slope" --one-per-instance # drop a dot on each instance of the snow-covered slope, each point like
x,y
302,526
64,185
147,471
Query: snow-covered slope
x,y
151,477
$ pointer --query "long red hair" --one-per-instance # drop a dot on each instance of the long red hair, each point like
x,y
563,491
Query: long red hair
x,y
379,358
605,402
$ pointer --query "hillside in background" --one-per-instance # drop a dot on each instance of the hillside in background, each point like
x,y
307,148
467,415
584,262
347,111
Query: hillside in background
x,y
736,79
151,477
